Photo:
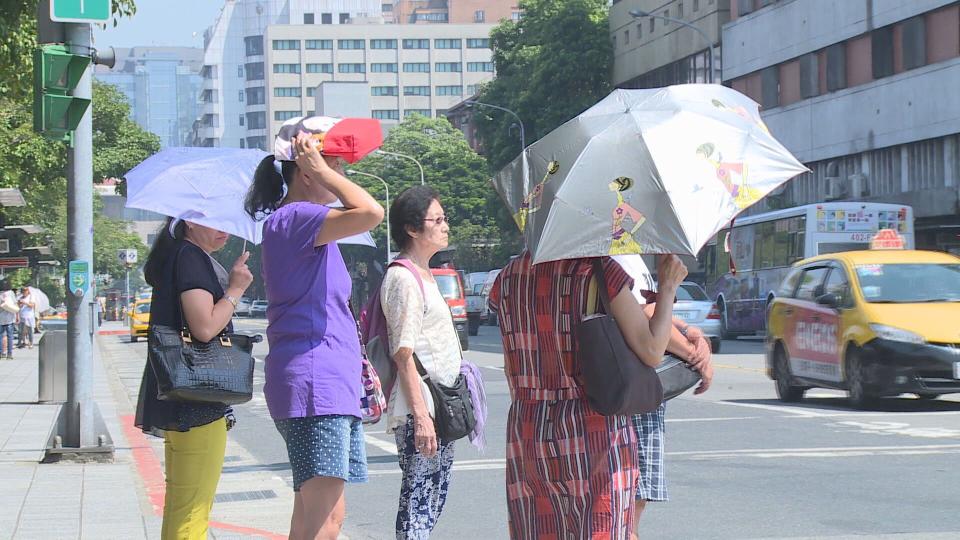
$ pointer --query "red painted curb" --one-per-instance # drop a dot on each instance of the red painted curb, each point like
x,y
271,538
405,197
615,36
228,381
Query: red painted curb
x,y
112,332
148,465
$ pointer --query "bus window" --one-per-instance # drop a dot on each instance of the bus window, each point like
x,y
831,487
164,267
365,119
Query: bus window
x,y
824,248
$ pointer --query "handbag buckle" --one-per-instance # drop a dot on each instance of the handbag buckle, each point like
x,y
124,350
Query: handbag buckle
x,y
186,336
225,341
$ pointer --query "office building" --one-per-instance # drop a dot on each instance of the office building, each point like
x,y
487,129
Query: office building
x,y
449,11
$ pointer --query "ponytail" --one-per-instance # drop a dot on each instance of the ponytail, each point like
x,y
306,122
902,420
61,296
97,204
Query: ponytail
x,y
266,193
162,250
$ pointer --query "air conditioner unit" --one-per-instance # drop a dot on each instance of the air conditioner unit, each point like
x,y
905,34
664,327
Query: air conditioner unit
x,y
834,189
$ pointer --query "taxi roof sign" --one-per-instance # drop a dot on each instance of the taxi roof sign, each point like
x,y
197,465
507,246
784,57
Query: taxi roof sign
x,y
887,239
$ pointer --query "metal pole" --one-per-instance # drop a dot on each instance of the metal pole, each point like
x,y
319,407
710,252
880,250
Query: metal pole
x,y
523,136
411,158
127,288
386,188
79,408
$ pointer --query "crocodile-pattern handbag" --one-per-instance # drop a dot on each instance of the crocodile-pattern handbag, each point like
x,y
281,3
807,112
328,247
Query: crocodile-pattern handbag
x,y
219,371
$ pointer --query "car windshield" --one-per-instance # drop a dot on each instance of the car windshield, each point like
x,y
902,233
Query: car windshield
x,y
690,293
142,308
909,283
449,287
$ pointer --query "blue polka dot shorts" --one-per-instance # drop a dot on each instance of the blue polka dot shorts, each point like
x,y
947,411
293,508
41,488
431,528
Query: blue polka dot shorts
x,y
331,446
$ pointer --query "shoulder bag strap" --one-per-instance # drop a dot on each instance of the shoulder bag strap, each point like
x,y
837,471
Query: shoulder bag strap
x,y
601,285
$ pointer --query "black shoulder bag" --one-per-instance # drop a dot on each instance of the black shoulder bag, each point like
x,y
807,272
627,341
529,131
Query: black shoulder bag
x,y
219,371
453,418
615,380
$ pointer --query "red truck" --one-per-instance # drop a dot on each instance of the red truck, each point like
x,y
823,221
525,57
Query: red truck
x,y
451,287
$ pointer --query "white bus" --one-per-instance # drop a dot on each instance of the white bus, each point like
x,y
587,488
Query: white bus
x,y
761,249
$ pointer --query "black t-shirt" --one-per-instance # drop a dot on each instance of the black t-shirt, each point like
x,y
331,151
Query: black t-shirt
x,y
194,270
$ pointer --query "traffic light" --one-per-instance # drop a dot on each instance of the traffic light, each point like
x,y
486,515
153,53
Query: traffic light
x,y
56,72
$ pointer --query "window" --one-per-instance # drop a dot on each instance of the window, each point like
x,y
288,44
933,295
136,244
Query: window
x,y
770,87
386,7
383,91
256,96
421,112
383,44
447,43
283,116
286,68
811,283
308,18
243,143
881,44
639,31
696,5
515,16
836,67
666,13
239,72
652,26
240,96
253,45
626,37
313,44
809,75
452,90
441,113
287,91
416,44
416,67
257,142
478,43
390,67
679,10
447,67
472,89
254,71
286,44
914,43
789,284
312,91
416,90
432,17
352,68
385,114
256,120
326,18
350,44
241,120
838,286
319,68
344,18
480,66
479,16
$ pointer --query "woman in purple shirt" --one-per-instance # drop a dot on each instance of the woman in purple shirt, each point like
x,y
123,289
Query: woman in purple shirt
x,y
312,373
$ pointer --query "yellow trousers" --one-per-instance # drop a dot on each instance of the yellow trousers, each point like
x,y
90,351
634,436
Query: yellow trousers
x,y
194,461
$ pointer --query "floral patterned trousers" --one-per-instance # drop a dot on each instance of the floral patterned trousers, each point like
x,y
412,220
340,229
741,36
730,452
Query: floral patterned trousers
x,y
423,490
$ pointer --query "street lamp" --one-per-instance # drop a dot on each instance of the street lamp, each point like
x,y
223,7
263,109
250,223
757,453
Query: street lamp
x,y
411,158
638,14
386,188
523,137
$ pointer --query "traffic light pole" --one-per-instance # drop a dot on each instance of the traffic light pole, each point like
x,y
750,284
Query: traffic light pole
x,y
79,410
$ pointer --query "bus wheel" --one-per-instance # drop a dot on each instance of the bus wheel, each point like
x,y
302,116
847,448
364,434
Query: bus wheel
x,y
786,391
857,392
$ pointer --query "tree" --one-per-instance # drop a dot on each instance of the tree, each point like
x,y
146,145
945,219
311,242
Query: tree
x,y
552,64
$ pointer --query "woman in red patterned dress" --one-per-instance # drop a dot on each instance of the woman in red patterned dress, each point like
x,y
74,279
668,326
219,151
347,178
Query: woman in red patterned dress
x,y
571,472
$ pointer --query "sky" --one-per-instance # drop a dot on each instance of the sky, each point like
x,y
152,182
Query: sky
x,y
162,23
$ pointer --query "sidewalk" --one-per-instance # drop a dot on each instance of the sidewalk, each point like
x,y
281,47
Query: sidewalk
x,y
121,499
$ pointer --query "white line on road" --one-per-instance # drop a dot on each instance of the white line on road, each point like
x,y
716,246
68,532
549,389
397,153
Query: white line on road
x,y
717,419
777,408
466,465
390,448
823,452
494,367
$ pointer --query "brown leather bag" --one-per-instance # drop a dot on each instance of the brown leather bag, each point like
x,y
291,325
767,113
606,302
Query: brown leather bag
x,y
615,380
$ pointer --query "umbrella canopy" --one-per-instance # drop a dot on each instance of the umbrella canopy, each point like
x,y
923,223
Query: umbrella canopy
x,y
348,138
206,186
644,171
40,299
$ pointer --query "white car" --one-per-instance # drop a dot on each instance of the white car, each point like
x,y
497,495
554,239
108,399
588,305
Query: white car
x,y
695,308
243,307
258,308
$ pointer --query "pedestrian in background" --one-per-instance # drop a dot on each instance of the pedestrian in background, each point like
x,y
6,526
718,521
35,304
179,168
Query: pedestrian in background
x,y
9,317
191,289
313,371
421,334
27,318
571,472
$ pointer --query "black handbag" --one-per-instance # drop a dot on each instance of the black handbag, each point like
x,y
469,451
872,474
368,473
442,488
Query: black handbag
x,y
676,377
454,418
614,379
218,371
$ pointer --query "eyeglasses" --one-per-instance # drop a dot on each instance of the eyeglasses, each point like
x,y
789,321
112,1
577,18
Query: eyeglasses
x,y
439,220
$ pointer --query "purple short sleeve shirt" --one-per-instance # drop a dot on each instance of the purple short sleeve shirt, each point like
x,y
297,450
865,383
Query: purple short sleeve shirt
x,y
313,367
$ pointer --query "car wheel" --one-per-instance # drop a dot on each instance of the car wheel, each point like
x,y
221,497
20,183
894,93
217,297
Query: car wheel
x,y
473,325
857,392
715,345
786,390
927,396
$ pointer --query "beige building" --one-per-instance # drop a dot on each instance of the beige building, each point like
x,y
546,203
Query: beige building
x,y
449,11
406,69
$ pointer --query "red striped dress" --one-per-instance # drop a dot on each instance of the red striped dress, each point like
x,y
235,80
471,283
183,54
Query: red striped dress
x,y
571,472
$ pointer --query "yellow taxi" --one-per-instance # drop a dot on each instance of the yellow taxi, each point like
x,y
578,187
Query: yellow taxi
x,y
874,323
139,319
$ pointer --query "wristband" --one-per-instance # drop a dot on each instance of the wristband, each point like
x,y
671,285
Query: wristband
x,y
232,300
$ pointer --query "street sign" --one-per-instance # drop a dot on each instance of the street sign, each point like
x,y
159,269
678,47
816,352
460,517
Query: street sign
x,y
79,277
14,262
80,11
127,256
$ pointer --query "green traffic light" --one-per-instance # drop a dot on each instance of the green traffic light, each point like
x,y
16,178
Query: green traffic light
x,y
56,73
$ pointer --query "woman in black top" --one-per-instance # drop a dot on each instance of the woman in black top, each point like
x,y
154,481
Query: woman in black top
x,y
184,275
